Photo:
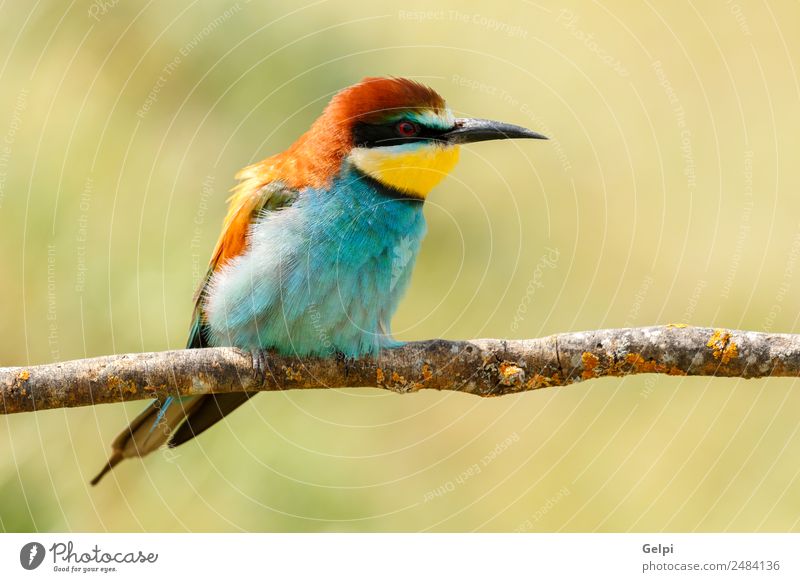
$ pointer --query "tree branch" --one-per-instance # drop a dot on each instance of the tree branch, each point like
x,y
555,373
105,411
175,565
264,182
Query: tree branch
x,y
484,367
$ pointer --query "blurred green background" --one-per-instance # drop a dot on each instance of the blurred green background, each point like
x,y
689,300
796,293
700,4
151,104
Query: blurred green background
x,y
668,193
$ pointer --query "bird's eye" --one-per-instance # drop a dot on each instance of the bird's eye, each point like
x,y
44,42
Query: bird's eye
x,y
406,129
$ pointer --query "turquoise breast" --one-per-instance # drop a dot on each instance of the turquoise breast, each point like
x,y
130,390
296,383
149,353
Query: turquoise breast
x,y
321,276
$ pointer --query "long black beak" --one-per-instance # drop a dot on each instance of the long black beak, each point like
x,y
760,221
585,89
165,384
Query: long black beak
x,y
469,130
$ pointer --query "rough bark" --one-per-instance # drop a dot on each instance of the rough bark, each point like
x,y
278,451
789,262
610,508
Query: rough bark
x,y
485,367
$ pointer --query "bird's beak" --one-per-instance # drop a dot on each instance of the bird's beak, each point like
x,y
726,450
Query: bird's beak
x,y
471,130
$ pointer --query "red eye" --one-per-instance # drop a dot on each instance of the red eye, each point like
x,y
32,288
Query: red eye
x,y
407,129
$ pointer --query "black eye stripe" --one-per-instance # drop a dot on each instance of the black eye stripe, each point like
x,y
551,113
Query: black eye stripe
x,y
367,135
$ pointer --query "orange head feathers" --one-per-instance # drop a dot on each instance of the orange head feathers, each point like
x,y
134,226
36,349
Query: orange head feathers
x,y
315,158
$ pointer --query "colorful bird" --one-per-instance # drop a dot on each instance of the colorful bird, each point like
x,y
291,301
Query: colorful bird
x,y
319,242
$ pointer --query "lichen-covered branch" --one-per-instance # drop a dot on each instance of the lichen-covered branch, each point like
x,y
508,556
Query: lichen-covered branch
x,y
485,367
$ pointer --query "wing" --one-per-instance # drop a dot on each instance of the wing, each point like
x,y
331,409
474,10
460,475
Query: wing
x,y
250,200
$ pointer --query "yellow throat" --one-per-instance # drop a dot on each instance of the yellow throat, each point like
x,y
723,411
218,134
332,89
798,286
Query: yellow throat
x,y
413,171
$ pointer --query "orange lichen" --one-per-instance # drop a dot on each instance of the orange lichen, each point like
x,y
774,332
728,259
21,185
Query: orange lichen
x,y
427,373
510,374
542,381
379,377
291,375
117,384
724,349
590,362
731,352
24,376
640,365
398,379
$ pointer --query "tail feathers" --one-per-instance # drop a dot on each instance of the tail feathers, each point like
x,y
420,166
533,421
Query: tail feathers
x,y
211,409
172,422
115,458
148,431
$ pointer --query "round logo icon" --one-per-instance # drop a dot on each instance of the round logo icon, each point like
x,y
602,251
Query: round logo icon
x,y
31,555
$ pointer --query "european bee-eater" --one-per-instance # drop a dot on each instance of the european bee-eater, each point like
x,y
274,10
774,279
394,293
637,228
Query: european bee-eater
x,y
319,242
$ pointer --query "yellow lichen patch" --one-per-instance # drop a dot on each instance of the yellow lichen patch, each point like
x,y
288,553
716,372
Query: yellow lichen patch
x,y
427,373
731,352
24,376
542,381
590,362
165,387
718,341
640,365
117,384
398,379
510,374
635,359
291,375
724,349
379,377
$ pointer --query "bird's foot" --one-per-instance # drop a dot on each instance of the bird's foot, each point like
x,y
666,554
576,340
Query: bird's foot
x,y
344,360
260,365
